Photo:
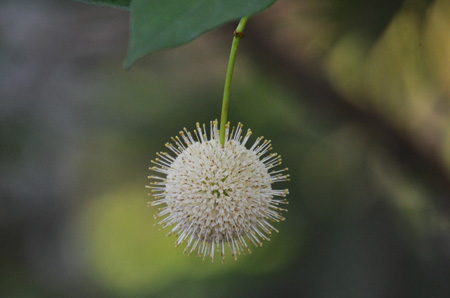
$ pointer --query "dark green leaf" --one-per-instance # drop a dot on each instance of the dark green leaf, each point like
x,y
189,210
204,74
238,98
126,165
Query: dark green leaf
x,y
159,24
114,3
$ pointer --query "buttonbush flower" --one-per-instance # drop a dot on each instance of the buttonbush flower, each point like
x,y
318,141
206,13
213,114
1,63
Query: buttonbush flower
x,y
218,196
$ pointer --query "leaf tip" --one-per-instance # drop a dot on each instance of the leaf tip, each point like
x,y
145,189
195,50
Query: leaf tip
x,y
128,63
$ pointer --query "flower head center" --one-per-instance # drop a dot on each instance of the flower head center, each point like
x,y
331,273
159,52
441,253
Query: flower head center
x,y
217,188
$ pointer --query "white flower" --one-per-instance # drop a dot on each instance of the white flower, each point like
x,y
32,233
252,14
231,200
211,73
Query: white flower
x,y
216,195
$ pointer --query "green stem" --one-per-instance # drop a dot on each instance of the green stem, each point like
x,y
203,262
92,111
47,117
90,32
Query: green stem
x,y
238,34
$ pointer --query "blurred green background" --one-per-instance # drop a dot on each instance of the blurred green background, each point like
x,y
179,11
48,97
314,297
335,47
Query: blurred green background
x,y
353,94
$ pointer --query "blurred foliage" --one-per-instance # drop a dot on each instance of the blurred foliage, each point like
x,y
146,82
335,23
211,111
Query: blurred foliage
x,y
113,3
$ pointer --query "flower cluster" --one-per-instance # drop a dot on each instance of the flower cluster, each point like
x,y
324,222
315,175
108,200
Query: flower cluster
x,y
216,196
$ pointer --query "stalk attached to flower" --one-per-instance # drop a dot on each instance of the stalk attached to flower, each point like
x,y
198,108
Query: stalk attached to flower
x,y
214,192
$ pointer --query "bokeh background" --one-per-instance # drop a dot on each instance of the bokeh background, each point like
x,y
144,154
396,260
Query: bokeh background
x,y
353,94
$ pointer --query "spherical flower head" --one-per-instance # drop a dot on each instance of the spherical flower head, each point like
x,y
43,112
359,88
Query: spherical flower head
x,y
216,196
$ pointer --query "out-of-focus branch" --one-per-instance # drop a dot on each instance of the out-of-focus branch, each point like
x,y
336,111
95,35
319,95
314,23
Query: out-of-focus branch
x,y
271,54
